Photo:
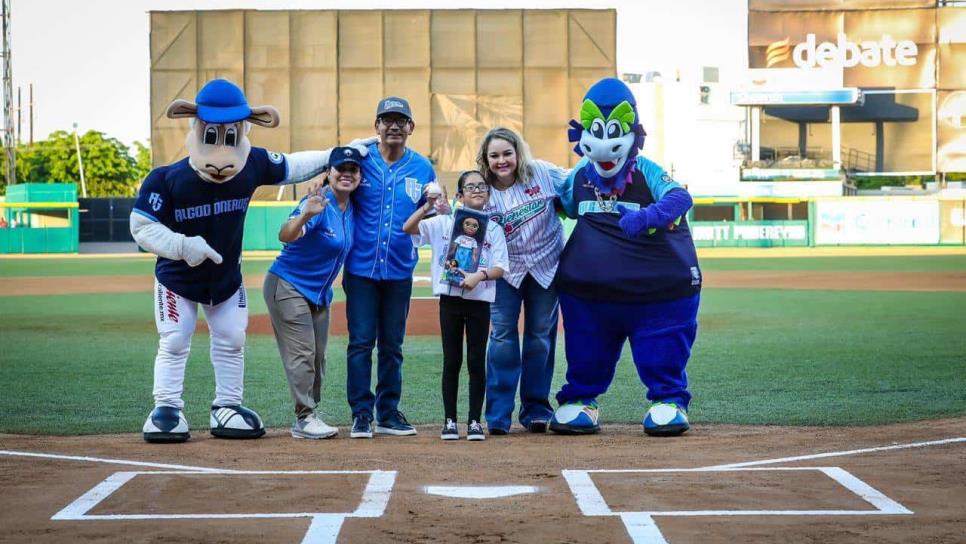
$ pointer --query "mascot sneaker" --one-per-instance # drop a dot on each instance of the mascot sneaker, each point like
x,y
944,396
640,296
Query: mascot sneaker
x,y
166,424
576,418
235,422
665,419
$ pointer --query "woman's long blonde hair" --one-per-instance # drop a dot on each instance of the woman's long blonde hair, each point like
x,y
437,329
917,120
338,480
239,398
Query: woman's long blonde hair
x,y
524,170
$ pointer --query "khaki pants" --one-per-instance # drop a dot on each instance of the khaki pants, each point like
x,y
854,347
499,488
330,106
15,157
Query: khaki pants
x,y
302,331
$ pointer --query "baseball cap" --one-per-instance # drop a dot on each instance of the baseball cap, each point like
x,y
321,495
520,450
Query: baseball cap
x,y
342,155
394,104
221,101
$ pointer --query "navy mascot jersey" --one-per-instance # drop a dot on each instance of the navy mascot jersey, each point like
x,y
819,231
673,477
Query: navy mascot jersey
x,y
649,267
177,197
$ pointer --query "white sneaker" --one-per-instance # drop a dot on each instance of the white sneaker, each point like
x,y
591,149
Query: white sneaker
x,y
313,428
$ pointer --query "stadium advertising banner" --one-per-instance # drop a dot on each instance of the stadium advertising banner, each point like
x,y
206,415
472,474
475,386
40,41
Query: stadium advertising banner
x,y
907,56
750,234
886,221
953,220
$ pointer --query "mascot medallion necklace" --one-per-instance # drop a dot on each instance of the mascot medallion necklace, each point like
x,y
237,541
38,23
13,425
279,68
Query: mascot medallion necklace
x,y
610,205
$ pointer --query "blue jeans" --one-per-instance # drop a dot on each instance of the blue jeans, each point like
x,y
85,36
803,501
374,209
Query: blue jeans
x,y
376,313
506,366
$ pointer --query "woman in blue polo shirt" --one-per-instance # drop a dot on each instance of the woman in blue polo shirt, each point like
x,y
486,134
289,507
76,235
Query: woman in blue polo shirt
x,y
298,286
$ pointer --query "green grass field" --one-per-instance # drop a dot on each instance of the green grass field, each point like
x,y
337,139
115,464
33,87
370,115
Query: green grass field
x,y
83,363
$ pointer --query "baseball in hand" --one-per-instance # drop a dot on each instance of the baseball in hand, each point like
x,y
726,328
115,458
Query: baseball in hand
x,y
433,190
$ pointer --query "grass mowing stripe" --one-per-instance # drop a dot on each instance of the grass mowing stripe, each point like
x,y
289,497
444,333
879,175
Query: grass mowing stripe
x,y
145,266
83,364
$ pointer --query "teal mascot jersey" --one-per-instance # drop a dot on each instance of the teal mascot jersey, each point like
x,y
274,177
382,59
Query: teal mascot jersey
x,y
628,272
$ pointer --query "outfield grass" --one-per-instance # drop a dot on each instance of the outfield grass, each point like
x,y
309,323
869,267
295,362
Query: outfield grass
x,y
21,267
83,363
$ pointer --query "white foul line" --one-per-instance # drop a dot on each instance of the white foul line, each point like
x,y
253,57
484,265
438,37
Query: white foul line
x,y
642,528
589,499
841,453
111,461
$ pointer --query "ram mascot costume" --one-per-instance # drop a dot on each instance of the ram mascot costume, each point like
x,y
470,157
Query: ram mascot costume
x,y
191,214
628,272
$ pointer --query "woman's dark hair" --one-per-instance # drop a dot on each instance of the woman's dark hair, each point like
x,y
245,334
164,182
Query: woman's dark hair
x,y
464,175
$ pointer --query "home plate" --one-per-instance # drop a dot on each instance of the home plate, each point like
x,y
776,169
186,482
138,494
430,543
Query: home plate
x,y
479,491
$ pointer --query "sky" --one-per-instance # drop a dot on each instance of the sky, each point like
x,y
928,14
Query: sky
x,y
89,61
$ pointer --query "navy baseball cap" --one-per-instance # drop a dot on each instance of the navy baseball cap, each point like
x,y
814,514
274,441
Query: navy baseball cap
x,y
342,155
221,101
394,104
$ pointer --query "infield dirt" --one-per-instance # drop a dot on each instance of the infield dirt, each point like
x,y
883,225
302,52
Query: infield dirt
x,y
929,481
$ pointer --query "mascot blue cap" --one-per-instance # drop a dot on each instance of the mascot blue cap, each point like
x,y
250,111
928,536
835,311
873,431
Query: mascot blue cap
x,y
609,132
221,101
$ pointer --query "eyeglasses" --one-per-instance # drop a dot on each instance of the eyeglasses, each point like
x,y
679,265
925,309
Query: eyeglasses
x,y
400,122
476,188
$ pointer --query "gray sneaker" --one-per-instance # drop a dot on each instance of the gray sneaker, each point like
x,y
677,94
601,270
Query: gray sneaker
x,y
313,428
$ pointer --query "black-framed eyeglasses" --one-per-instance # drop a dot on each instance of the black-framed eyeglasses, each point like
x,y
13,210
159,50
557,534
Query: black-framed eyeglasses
x,y
476,188
400,122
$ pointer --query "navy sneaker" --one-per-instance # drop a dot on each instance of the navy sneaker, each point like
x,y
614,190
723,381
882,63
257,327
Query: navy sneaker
x,y
396,425
361,426
538,425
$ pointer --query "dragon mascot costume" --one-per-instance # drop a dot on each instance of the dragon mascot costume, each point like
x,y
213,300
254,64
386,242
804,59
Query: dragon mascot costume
x,y
628,272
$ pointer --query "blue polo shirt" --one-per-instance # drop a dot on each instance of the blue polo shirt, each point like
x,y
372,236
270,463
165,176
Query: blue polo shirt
x,y
175,196
312,262
386,197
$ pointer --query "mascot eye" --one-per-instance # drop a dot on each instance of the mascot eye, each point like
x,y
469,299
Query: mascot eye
x,y
597,129
614,129
211,135
230,137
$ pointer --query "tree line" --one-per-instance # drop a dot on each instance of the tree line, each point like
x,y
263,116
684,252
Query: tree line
x,y
111,168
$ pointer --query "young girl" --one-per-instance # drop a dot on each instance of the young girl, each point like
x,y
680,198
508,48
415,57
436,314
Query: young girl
x,y
464,307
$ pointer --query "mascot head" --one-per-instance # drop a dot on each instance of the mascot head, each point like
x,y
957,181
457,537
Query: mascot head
x,y
218,144
609,133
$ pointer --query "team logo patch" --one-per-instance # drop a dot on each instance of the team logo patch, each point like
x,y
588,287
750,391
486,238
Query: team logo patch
x,y
514,219
388,104
414,189
589,206
156,201
275,157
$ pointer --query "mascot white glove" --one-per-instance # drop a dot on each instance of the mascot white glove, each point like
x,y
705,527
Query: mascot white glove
x,y
362,144
163,242
194,251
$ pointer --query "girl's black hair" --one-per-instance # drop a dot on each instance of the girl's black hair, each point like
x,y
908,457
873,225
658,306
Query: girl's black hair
x,y
464,175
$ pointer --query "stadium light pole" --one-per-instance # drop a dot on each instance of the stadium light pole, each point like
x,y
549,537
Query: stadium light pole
x,y
80,163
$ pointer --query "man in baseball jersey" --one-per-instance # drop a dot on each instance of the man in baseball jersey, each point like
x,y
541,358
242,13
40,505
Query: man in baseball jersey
x,y
378,275
191,214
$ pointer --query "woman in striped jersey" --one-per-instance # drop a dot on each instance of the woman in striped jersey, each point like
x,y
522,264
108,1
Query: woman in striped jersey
x,y
522,201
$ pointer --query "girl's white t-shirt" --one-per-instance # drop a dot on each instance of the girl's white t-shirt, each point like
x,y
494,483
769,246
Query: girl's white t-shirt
x,y
436,232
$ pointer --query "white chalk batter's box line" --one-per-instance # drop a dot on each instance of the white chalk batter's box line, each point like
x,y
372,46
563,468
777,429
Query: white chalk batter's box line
x,y
373,503
592,503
